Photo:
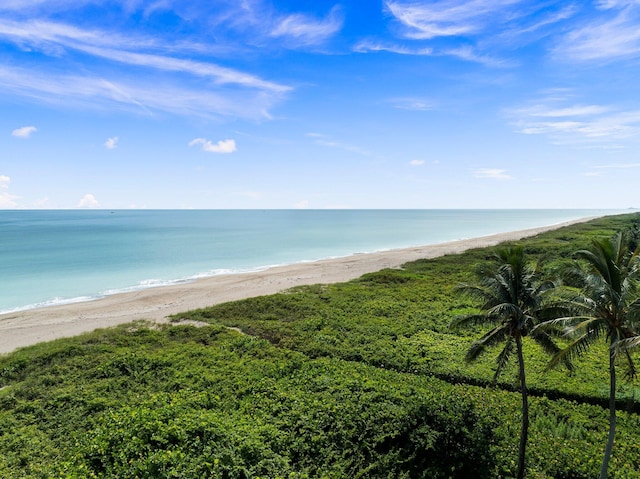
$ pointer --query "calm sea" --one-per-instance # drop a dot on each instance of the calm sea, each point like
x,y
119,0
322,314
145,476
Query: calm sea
x,y
53,257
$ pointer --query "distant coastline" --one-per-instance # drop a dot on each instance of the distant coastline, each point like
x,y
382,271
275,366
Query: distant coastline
x,y
61,257
22,328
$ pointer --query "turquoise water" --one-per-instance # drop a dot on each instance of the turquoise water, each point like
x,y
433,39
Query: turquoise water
x,y
51,257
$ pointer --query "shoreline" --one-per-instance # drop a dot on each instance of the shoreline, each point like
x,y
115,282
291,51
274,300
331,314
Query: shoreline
x,y
30,326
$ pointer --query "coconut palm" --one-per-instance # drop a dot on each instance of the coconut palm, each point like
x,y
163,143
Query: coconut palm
x,y
606,307
511,294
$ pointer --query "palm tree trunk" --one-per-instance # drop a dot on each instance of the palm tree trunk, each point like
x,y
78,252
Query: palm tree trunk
x,y
612,409
524,433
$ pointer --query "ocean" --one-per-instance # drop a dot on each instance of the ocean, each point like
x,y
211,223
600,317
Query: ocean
x,y
51,257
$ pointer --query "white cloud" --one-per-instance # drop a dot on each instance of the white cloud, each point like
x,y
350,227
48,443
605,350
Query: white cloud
x,y
220,75
171,83
21,5
446,17
471,54
492,173
471,30
323,140
598,170
42,203
417,104
55,37
88,201
302,205
574,110
416,162
564,13
130,94
24,132
6,199
618,166
610,37
307,30
464,52
111,143
573,123
606,4
366,46
222,146
428,21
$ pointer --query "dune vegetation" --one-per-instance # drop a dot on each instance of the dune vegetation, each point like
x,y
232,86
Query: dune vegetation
x,y
363,379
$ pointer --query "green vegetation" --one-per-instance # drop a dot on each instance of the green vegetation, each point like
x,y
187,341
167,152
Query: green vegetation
x,y
511,296
606,303
360,379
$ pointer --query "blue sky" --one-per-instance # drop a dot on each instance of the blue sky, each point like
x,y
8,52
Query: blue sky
x,y
286,104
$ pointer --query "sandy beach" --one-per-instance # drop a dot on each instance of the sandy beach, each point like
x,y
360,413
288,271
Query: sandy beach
x,y
28,327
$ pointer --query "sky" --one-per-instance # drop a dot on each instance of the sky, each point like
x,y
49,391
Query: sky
x,y
324,104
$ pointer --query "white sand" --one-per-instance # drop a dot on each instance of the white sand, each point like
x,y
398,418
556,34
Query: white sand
x,y
32,326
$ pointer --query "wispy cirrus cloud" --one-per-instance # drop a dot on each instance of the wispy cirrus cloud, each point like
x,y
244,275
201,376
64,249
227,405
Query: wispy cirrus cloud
x,y
476,18
127,71
479,31
578,124
618,166
21,5
412,103
446,18
611,35
306,30
134,95
366,46
48,36
492,174
324,140
600,170
464,52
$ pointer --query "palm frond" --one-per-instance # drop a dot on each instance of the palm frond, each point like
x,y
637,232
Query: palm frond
x,y
491,338
503,358
573,350
505,311
628,343
552,311
479,293
469,320
631,371
596,327
574,276
543,287
545,341
630,291
633,311
558,324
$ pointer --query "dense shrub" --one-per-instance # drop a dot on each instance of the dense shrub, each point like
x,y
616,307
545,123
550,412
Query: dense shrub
x,y
360,379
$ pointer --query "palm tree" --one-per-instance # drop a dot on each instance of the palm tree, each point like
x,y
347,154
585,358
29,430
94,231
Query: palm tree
x,y
512,301
607,306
